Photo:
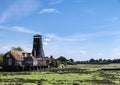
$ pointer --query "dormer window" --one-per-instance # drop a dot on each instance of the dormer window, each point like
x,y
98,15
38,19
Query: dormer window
x,y
24,54
8,55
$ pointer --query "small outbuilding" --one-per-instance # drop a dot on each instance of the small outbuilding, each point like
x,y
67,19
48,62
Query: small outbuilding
x,y
61,66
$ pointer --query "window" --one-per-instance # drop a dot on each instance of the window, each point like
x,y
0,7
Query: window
x,y
9,61
29,62
8,55
35,62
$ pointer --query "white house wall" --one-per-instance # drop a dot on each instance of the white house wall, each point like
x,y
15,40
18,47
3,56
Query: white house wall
x,y
35,62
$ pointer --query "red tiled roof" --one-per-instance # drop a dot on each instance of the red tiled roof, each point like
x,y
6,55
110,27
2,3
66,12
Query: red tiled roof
x,y
17,55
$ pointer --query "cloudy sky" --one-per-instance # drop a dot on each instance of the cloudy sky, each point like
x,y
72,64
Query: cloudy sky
x,y
78,29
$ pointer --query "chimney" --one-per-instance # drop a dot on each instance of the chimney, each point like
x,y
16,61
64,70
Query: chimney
x,y
37,46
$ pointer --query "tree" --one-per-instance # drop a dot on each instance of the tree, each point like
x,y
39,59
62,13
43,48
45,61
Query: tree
x,y
70,62
17,49
51,57
1,59
54,63
109,61
100,60
92,60
62,59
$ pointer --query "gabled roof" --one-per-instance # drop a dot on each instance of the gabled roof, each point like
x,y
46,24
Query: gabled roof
x,y
17,55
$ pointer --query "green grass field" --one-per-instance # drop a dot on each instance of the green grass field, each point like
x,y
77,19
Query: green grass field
x,y
72,75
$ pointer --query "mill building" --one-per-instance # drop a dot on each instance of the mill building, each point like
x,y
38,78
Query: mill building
x,y
17,60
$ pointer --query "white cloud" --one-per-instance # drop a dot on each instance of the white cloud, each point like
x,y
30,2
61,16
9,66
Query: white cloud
x,y
18,29
83,52
45,43
51,35
68,46
7,46
71,46
53,2
49,10
82,37
75,46
116,51
113,19
91,11
4,48
47,40
100,54
19,8
22,29
71,38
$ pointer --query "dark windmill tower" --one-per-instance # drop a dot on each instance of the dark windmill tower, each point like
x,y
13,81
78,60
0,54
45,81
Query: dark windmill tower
x,y
37,46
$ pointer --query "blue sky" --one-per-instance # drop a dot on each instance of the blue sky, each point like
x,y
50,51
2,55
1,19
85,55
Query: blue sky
x,y
78,29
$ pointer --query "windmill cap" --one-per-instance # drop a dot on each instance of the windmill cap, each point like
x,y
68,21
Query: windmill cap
x,y
37,35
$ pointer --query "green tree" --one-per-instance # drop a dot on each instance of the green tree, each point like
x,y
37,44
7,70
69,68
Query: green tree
x,y
92,60
70,62
51,57
1,59
62,59
54,63
17,49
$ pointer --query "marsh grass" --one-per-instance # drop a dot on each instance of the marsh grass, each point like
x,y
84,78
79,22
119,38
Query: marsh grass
x,y
72,75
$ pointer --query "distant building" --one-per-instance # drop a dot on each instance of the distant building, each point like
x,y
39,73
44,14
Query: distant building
x,y
61,66
13,60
